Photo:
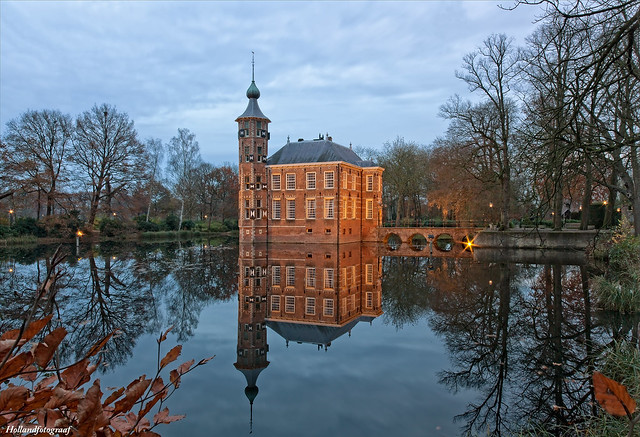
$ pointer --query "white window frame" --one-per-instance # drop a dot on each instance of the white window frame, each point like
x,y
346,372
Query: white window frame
x,y
329,276
370,182
275,276
369,299
289,304
329,208
311,209
291,181
354,208
291,276
291,209
329,179
275,303
310,277
369,209
276,209
276,181
310,306
328,307
368,275
311,180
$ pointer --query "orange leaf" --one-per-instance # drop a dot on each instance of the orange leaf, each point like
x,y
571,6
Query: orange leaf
x,y
13,398
29,332
16,365
158,386
90,415
184,367
171,356
113,396
76,375
98,346
149,405
62,397
132,394
45,350
174,377
163,337
162,416
612,396
38,399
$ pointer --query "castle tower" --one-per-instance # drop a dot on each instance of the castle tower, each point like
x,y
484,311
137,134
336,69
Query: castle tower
x,y
253,139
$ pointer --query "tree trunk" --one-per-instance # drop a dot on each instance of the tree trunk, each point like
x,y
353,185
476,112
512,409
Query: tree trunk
x,y
586,199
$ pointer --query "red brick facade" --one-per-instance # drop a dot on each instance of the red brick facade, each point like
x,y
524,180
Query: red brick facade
x,y
322,194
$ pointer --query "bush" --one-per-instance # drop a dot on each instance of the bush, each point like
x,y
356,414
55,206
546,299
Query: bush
x,y
62,226
218,227
188,225
145,226
231,223
171,223
28,226
111,227
5,231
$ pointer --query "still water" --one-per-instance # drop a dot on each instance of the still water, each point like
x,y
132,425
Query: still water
x,y
332,340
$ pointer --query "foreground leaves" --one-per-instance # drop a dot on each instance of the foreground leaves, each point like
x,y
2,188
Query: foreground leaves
x,y
55,396
612,396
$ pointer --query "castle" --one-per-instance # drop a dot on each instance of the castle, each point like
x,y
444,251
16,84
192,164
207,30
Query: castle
x,y
313,191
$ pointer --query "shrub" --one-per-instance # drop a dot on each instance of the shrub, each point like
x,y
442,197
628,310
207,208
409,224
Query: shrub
x,y
231,223
217,227
171,223
28,226
111,227
188,225
62,226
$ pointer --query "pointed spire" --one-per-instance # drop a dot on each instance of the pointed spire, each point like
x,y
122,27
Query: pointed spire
x,y
253,92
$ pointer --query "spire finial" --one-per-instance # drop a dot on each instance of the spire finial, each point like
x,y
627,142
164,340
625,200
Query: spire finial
x,y
253,64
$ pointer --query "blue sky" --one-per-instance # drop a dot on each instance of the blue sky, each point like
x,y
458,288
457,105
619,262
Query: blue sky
x,y
364,72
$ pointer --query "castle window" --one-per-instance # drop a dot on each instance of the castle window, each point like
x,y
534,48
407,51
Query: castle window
x,y
369,300
291,276
369,209
291,181
328,180
310,277
275,275
290,304
258,203
344,208
275,210
275,303
259,125
328,208
311,208
370,182
328,307
246,125
353,208
291,209
259,151
344,180
328,279
275,182
368,274
310,307
353,181
311,181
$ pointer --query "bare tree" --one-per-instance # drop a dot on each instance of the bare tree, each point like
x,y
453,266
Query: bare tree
x,y
155,155
184,157
491,71
37,144
107,151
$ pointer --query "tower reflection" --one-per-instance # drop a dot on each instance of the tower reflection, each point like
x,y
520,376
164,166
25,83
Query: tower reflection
x,y
305,293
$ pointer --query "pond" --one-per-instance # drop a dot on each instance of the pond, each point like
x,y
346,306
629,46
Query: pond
x,y
323,340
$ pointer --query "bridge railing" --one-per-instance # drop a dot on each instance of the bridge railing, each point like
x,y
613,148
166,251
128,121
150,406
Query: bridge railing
x,y
437,223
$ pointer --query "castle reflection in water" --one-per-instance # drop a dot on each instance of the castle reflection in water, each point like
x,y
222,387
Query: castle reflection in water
x,y
305,293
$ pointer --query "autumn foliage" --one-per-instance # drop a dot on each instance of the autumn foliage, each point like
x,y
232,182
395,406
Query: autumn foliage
x,y
36,392
614,398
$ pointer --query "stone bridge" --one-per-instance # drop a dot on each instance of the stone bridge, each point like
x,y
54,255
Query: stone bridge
x,y
426,241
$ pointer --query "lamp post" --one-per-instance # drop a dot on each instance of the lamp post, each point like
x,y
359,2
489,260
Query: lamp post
x,y
11,217
78,235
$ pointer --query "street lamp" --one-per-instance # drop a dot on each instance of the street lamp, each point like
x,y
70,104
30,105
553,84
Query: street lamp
x,y
11,217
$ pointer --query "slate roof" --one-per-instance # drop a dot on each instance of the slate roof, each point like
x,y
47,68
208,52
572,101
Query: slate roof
x,y
314,334
253,110
316,151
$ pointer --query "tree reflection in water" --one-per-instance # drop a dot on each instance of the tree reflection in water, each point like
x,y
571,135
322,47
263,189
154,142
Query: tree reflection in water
x,y
132,290
526,338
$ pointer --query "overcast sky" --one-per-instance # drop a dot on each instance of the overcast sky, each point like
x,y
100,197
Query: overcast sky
x,y
364,72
